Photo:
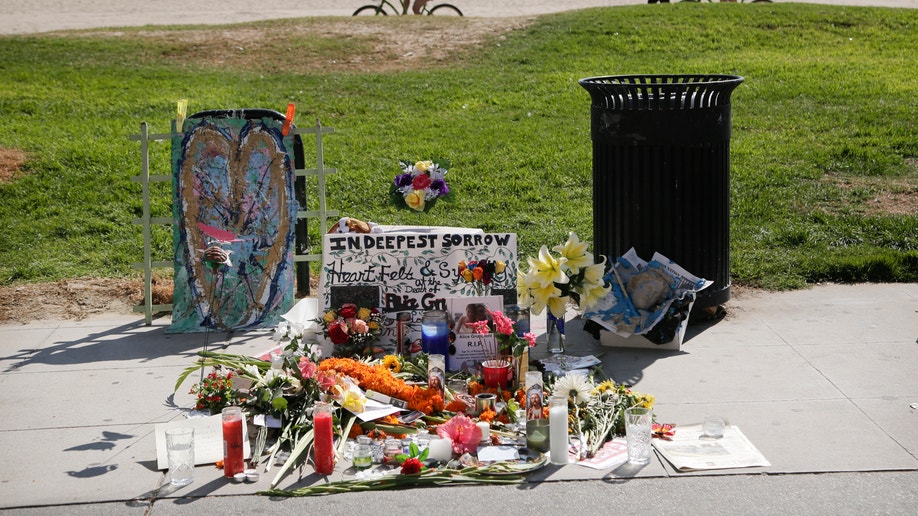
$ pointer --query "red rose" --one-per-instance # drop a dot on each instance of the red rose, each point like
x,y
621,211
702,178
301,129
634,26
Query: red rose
x,y
337,332
348,311
411,466
421,181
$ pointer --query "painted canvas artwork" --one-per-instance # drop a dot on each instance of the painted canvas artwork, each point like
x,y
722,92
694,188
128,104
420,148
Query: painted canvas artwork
x,y
233,197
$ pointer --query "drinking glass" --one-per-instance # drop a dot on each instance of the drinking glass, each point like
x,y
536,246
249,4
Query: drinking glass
x,y
180,452
637,431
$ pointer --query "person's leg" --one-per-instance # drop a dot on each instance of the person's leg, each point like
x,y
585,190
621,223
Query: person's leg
x,y
418,5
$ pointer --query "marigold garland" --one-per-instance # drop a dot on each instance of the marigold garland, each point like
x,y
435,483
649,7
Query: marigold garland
x,y
456,406
379,378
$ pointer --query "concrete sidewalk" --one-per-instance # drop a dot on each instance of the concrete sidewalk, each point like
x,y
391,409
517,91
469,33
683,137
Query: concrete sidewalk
x,y
820,380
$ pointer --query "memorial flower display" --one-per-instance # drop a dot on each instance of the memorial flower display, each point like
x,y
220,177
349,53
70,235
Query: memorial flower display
x,y
480,273
214,392
421,183
352,329
554,280
289,382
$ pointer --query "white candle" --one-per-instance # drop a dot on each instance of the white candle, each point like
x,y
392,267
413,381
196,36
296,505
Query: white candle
x,y
557,430
485,431
440,448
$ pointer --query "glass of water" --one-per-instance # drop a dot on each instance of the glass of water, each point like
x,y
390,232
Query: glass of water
x,y
637,432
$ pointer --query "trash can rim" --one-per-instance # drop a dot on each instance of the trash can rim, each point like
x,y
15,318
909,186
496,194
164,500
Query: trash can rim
x,y
653,79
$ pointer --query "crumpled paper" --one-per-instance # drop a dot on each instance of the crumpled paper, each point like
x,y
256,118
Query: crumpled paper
x,y
632,279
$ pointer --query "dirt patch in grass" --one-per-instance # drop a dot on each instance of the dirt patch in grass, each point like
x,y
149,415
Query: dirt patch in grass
x,y
11,162
324,44
885,195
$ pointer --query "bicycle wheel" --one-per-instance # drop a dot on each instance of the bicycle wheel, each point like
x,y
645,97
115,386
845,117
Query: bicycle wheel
x,y
445,10
371,10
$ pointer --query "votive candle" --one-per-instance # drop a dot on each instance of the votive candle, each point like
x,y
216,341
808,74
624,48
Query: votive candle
x,y
323,438
440,448
557,422
233,460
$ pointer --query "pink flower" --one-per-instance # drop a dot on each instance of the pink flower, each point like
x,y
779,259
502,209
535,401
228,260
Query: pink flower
x,y
479,327
307,368
360,326
530,338
463,431
326,380
503,323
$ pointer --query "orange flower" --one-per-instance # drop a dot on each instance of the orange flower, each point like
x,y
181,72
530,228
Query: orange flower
x,y
521,397
456,406
475,388
487,415
356,431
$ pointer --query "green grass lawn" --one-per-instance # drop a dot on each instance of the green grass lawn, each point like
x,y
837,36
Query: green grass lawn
x,y
824,149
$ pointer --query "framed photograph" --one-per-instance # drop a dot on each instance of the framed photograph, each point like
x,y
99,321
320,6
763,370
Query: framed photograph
x,y
468,349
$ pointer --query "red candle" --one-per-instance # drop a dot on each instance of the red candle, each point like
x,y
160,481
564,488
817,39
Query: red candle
x,y
324,444
233,461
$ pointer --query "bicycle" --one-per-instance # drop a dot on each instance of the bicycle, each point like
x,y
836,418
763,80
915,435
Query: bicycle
x,y
385,8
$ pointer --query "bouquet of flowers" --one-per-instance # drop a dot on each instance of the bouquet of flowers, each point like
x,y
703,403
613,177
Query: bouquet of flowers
x,y
480,273
352,329
422,183
552,281
598,411
508,342
215,392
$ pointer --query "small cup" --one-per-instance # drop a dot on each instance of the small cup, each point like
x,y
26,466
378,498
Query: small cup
x,y
713,427
180,452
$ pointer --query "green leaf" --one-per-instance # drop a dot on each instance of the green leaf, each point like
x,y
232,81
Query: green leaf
x,y
423,456
413,449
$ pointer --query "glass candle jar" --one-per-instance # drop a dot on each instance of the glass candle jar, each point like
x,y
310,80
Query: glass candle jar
x,y
363,454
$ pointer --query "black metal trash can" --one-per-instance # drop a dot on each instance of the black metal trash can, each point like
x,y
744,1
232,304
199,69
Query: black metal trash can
x,y
661,171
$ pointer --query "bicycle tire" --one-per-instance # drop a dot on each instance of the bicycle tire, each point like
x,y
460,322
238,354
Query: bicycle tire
x,y
448,10
370,9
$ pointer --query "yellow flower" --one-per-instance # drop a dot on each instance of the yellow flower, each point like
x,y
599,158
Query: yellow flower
x,y
351,398
523,296
607,385
330,316
393,363
590,297
499,267
576,253
468,275
415,200
364,313
423,166
547,269
373,326
647,400
543,296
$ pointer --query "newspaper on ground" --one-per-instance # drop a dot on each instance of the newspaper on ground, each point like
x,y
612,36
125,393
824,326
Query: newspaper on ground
x,y
690,450
644,293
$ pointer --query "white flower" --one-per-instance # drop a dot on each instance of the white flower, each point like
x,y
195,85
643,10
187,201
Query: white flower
x,y
280,332
574,387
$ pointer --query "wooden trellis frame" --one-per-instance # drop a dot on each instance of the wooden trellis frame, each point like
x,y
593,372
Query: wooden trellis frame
x,y
147,221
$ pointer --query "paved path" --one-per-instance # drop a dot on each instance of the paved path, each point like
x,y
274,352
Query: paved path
x,y
29,16
822,381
